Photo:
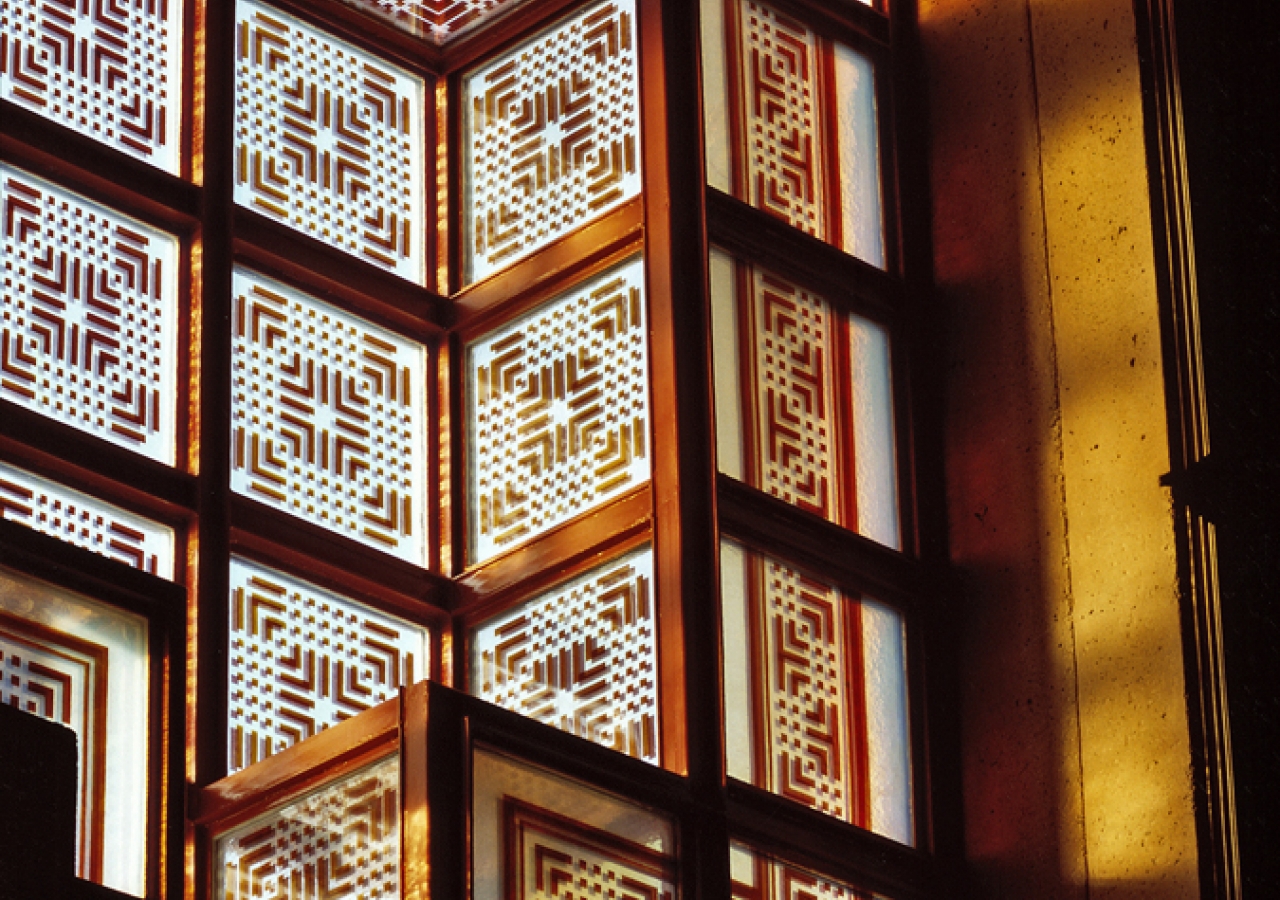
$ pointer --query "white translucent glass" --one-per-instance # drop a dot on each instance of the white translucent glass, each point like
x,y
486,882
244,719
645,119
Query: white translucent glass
x,y
715,97
736,644
728,368
90,311
861,219
72,659
301,659
582,657
884,654
871,383
341,840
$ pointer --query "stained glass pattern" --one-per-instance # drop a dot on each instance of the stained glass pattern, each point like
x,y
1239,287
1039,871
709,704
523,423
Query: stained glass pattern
x,y
50,508
552,136
437,20
329,140
112,71
758,877
90,316
303,659
559,411
341,842
582,657
328,417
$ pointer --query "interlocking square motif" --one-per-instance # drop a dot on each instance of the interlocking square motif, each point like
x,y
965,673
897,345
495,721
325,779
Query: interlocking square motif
x,y
437,20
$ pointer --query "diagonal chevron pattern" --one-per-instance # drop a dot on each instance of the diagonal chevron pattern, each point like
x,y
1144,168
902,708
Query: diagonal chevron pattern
x,y
437,20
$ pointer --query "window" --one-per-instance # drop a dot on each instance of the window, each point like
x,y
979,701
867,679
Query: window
x,y
348,344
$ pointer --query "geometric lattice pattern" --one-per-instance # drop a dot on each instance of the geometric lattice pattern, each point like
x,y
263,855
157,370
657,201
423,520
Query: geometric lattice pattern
x,y
49,508
303,659
340,843
552,135
558,411
582,658
549,857
329,140
757,877
90,316
328,417
112,71
436,20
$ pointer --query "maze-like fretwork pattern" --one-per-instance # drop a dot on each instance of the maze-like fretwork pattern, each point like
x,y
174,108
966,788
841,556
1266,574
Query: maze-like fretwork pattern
x,y
329,140
303,659
793,395
559,405
109,70
773,879
582,657
550,857
328,417
781,116
552,135
49,508
90,316
339,843
437,20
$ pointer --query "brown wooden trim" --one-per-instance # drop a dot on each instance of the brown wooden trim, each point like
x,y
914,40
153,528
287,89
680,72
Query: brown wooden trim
x,y
847,21
415,809
504,32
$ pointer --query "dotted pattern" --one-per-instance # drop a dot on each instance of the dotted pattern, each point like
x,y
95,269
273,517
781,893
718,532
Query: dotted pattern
x,y
329,140
551,136
437,20
90,316
328,417
112,71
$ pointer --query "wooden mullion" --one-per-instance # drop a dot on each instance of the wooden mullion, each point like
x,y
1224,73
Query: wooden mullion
x,y
525,20
847,21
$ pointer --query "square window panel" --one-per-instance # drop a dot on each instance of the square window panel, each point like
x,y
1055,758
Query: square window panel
x,y
329,140
551,136
328,417
90,316
437,20
111,71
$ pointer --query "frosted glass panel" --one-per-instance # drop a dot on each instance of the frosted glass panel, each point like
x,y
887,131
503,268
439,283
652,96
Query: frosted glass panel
x,y
871,385
436,20
728,366
84,664
716,135
551,136
760,877
861,220
582,657
90,316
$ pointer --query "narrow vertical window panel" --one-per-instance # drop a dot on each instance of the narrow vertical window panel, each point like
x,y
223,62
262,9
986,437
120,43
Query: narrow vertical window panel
x,y
757,876
329,140
582,657
85,665
302,659
558,411
715,98
728,365
439,21
551,136
875,449
328,417
110,71
53,509
862,223
341,840
884,642
739,697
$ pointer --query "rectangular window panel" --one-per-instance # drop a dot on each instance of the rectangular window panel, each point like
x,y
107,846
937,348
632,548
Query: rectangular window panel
x,y
582,657
815,693
303,659
558,405
111,71
551,135
329,140
437,20
50,508
81,663
342,840
328,417
756,876
804,399
90,316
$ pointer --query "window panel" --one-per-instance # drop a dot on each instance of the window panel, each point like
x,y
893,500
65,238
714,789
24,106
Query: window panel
x,y
437,20
551,135
558,411
329,140
759,877
78,662
328,417
303,659
342,840
90,316
582,657
111,71
50,508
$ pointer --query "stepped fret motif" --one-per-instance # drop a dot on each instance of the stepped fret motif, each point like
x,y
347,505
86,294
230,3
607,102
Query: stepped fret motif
x,y
559,411
49,508
437,20
303,659
328,417
90,316
329,140
552,136
582,657
340,842
112,71
759,877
